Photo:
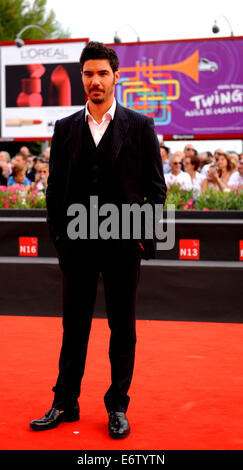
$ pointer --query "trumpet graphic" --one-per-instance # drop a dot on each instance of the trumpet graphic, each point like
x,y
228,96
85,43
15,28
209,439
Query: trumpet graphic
x,y
188,66
150,89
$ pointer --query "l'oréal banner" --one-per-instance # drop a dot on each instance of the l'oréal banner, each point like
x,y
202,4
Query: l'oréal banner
x,y
192,89
40,83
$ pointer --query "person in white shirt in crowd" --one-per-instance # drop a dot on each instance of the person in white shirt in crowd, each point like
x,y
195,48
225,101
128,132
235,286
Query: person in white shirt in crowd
x,y
165,152
179,154
216,155
176,176
236,179
41,176
219,175
5,157
192,165
205,159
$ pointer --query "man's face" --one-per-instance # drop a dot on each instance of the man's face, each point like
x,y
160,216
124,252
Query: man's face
x,y
19,161
163,154
99,80
189,150
175,165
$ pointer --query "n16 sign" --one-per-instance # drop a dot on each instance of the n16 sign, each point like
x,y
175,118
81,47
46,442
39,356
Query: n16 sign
x,y
28,246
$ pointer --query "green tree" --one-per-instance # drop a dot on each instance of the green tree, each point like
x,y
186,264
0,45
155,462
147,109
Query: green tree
x,y
16,14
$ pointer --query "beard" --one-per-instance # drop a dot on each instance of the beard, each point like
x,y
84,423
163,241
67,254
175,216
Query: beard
x,y
103,94
97,99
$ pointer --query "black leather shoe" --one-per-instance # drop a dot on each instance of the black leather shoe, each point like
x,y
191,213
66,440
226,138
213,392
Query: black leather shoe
x,y
118,425
54,417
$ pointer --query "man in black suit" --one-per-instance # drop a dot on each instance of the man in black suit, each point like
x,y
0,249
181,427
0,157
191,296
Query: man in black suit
x,y
113,153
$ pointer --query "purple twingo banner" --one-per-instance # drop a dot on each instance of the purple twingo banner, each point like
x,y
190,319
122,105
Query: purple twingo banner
x,y
192,89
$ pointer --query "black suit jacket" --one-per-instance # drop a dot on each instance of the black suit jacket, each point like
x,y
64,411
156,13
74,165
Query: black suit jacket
x,y
135,158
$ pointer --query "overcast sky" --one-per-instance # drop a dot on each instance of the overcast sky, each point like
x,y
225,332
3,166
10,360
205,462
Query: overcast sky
x,y
154,20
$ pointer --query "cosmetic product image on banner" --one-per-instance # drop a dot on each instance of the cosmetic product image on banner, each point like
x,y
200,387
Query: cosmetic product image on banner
x,y
22,122
38,85
60,87
31,87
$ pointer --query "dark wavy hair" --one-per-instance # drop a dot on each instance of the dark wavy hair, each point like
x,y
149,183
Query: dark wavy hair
x,y
195,161
97,50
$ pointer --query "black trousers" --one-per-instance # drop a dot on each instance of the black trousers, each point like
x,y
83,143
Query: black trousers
x,y
82,262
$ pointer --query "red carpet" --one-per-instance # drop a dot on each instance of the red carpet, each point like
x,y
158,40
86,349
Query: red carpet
x,y
187,391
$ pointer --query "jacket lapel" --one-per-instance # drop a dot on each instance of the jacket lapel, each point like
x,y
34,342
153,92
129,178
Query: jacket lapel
x,y
76,135
120,128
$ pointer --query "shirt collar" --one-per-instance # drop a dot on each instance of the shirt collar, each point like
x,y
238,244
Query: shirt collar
x,y
110,113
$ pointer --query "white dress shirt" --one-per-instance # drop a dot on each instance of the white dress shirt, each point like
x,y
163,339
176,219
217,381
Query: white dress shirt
x,y
97,130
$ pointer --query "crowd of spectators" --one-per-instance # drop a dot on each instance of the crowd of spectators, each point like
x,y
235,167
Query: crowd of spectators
x,y
198,171
29,170
188,168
